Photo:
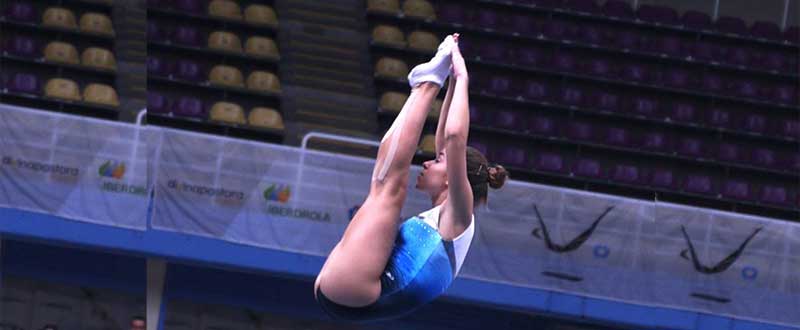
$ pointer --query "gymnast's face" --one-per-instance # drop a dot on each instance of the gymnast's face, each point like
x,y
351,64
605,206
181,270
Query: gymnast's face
x,y
433,178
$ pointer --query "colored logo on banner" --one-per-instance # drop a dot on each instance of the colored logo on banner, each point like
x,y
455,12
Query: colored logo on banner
x,y
277,193
112,169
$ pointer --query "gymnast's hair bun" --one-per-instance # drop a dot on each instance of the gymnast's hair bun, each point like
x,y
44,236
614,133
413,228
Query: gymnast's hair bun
x,y
497,176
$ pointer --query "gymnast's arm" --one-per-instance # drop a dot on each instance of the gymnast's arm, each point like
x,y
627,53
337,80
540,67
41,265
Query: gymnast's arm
x,y
459,201
443,115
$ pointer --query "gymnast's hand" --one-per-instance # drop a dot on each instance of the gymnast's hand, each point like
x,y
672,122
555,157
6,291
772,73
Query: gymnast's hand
x,y
459,67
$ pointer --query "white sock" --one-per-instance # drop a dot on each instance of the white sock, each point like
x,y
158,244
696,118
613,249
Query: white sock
x,y
437,69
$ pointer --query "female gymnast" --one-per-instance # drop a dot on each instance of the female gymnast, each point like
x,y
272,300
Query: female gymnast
x,y
385,267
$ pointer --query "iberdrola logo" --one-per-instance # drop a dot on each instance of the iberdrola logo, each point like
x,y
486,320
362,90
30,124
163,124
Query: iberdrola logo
x,y
112,169
278,193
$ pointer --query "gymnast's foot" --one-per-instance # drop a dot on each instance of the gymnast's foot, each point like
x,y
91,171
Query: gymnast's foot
x,y
437,69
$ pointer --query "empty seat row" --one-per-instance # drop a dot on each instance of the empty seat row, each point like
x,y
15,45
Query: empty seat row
x,y
224,75
418,40
254,13
257,46
454,12
420,9
91,22
60,52
223,111
61,88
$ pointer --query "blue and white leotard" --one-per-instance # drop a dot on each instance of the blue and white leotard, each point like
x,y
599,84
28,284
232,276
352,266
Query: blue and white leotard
x,y
421,267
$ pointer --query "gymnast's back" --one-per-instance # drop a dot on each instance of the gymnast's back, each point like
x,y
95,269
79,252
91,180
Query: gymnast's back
x,y
421,267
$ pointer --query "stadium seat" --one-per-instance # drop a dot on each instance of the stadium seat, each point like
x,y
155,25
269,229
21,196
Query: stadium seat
x,y
565,62
264,81
679,78
599,67
62,88
99,58
664,178
501,85
666,45
494,51
551,162
61,52
720,118
536,90
512,155
763,157
786,94
691,147
225,41
189,107
657,14
261,47
792,162
20,11
476,115
507,119
189,6
189,70
226,75
384,6
789,128
684,111
635,72
618,9
391,68
755,123
452,13
656,141
101,94
22,46
712,82
59,17
392,101
696,20
739,55
224,9
96,23
730,152
520,23
581,131
423,40
618,136
774,194
766,30
737,189
589,168
260,15
572,95
643,105
157,66
701,50
530,56
731,25
605,100
419,9
772,60
227,112
479,145
266,118
389,35
541,125
560,30
155,32
627,173
625,39
745,88
187,35
486,19
428,144
700,184
24,83
157,103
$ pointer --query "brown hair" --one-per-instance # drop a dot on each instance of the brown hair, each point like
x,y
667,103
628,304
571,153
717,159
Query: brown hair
x,y
482,174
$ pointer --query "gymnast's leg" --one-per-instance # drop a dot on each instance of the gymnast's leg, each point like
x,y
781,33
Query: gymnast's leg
x,y
351,275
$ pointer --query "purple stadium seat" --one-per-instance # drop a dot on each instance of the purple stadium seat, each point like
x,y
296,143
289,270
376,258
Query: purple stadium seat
x,y
763,157
766,30
189,106
635,72
700,184
737,189
793,162
733,25
739,56
24,83
643,105
664,178
627,174
720,118
487,19
785,94
657,14
605,100
580,131
656,141
559,30
20,12
599,67
480,145
530,56
155,32
679,78
551,162
701,50
755,123
711,82
745,88
542,125
452,13
585,6
684,111
22,46
571,95
789,128
564,62
691,147
520,23
730,152
508,119
696,20
187,35
618,9
792,34
189,6
625,39
772,60
494,51
158,66
189,70
536,90
511,155
774,195
593,35
500,85
589,168
666,45
618,136
476,115
157,103
5,78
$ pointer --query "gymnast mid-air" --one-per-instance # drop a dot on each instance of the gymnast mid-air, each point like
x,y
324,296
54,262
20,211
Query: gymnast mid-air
x,y
385,267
